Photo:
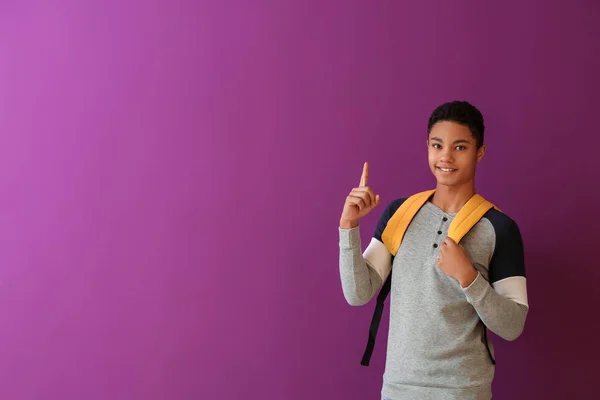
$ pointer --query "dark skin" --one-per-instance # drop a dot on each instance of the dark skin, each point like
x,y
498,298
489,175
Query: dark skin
x,y
453,156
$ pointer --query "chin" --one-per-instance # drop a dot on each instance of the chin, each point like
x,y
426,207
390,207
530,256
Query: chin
x,y
447,180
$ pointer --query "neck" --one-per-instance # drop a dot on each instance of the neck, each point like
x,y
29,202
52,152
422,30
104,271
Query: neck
x,y
451,199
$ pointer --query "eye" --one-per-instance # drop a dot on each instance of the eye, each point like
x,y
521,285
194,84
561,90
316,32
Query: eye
x,y
436,146
461,148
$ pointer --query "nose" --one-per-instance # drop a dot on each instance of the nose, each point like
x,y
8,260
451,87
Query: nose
x,y
446,155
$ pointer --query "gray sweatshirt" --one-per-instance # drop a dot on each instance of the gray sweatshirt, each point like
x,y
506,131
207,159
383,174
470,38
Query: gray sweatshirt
x,y
435,340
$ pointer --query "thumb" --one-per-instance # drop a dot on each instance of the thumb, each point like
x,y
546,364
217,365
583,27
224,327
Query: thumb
x,y
449,241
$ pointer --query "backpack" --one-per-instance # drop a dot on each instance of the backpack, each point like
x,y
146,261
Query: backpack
x,y
392,236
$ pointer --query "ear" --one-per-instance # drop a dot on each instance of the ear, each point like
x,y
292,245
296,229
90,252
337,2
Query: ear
x,y
481,152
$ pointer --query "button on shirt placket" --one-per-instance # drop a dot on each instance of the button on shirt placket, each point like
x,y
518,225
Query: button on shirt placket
x,y
439,232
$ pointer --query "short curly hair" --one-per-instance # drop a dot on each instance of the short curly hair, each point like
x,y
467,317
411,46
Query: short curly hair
x,y
460,112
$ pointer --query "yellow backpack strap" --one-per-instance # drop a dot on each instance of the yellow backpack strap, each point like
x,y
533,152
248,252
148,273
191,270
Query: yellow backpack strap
x,y
468,216
394,231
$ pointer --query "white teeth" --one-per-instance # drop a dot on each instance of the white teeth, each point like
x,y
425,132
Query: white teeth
x,y
447,169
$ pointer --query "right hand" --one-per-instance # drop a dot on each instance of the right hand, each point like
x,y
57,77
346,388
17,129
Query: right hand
x,y
359,202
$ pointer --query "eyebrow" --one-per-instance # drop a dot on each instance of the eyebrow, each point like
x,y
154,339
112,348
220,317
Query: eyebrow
x,y
455,142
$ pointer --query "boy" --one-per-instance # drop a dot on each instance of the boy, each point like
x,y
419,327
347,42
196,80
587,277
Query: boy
x,y
443,295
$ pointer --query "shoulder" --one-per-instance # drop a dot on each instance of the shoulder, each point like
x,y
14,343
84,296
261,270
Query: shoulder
x,y
501,222
386,214
508,255
394,205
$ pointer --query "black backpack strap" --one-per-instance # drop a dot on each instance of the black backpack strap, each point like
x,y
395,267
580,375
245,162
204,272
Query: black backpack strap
x,y
487,345
383,293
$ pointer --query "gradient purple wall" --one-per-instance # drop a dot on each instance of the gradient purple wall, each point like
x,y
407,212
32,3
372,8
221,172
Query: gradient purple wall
x,y
172,175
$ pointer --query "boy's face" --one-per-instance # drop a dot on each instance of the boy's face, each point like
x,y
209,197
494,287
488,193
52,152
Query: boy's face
x,y
453,154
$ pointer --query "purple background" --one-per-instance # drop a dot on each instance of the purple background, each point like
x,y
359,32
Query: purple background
x,y
172,175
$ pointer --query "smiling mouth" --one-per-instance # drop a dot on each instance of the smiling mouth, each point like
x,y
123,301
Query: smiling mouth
x,y
446,169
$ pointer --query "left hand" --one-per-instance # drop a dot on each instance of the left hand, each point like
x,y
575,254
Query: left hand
x,y
454,261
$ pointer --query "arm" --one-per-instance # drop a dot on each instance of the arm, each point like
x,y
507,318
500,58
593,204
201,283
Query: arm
x,y
503,306
362,275
504,314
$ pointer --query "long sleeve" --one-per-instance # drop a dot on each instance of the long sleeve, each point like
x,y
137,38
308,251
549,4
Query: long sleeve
x,y
363,273
502,304
502,315
360,281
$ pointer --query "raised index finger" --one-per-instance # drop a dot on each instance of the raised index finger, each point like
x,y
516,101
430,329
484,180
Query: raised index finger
x,y
365,175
